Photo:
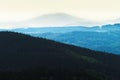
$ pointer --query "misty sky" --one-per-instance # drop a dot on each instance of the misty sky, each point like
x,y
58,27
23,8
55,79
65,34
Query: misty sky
x,y
16,10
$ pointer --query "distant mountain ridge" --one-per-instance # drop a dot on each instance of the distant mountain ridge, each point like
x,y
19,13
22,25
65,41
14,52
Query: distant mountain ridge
x,y
65,29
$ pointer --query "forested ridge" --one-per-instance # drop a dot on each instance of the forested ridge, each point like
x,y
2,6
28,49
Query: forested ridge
x,y
23,57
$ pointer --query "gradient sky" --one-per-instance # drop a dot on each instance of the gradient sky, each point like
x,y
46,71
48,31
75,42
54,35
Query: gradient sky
x,y
16,10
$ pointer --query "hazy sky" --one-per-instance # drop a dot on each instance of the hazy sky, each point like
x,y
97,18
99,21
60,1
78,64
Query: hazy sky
x,y
15,10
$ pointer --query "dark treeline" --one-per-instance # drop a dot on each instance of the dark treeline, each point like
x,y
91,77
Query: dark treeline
x,y
23,57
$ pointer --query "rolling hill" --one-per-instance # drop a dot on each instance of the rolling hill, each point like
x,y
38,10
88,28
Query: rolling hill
x,y
94,38
23,57
90,39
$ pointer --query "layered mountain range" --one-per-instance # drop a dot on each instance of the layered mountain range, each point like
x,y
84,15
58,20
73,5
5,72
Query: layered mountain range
x,y
101,38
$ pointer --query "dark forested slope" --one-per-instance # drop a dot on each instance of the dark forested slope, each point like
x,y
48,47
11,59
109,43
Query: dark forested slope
x,y
23,57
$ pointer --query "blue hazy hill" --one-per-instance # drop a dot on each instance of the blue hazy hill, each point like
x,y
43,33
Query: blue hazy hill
x,y
105,38
102,41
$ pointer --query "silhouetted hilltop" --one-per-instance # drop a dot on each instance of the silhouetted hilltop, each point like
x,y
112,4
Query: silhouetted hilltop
x,y
23,57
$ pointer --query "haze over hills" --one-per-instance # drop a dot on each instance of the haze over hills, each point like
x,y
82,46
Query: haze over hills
x,y
55,20
60,19
113,21
23,57
52,20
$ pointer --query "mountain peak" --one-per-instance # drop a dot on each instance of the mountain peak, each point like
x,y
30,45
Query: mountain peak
x,y
61,14
56,16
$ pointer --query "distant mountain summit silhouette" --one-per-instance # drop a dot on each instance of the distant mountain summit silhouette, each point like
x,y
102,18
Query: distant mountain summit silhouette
x,y
58,19
51,20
